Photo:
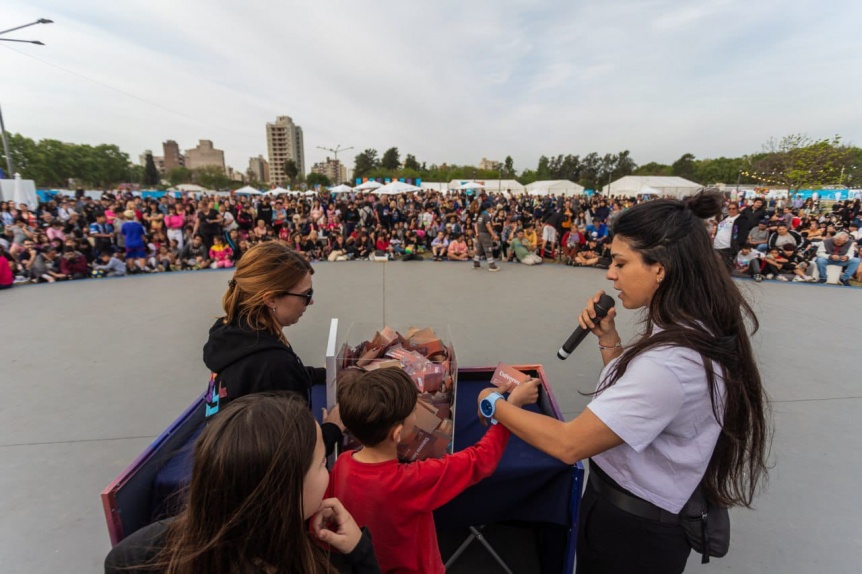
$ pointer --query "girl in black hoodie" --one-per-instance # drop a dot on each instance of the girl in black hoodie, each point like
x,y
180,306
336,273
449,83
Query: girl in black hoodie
x,y
247,351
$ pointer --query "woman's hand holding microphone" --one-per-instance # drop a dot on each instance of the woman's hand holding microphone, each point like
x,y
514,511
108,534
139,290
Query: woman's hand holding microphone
x,y
605,329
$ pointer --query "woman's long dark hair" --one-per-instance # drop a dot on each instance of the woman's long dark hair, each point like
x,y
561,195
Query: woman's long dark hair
x,y
244,511
697,305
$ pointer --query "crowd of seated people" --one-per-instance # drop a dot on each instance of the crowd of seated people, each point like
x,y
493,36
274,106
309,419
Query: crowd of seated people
x,y
78,236
790,241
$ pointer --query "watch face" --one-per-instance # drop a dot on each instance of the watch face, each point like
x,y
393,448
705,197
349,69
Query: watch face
x,y
487,408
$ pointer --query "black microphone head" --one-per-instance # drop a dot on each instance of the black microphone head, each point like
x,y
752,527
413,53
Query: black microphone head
x,y
604,305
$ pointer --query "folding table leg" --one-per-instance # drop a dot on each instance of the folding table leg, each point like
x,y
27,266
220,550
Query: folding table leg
x,y
476,534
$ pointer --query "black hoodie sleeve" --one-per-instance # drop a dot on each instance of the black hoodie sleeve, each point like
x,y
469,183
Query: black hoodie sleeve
x,y
277,371
360,560
331,436
317,374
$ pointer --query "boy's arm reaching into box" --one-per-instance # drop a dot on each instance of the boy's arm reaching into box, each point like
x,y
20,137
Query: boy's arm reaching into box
x,y
437,481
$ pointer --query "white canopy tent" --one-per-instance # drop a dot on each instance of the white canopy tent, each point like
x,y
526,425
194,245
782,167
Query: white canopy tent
x,y
20,191
396,187
554,187
471,185
192,187
435,186
340,189
490,185
277,191
633,185
368,185
248,190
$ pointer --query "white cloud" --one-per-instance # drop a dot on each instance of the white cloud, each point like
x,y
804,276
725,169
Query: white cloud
x,y
446,81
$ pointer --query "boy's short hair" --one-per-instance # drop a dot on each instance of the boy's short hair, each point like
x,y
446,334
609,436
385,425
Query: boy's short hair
x,y
372,403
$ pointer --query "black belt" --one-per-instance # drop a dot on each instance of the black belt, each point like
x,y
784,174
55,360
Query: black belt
x,y
625,501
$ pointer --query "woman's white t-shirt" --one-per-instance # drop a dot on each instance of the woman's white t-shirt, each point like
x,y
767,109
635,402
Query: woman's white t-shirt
x,y
661,409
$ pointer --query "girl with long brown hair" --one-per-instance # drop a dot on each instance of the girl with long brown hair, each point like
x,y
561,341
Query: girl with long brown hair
x,y
259,475
247,351
678,412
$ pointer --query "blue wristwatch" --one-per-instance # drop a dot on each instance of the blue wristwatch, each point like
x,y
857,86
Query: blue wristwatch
x,y
488,406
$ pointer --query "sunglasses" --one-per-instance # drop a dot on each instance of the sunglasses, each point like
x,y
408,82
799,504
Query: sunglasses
x,y
307,296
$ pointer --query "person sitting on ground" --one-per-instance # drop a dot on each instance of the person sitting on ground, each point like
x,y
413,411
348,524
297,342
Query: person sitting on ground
x,y
748,262
440,246
73,264
195,254
838,250
457,250
758,237
571,244
549,234
783,235
521,252
776,265
378,408
7,276
531,239
110,266
798,263
589,255
44,267
411,248
255,502
338,249
221,254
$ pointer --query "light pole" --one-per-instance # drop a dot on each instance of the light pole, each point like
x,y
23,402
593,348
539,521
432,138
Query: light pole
x,y
9,165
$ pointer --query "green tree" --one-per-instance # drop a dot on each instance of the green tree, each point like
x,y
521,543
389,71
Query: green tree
x,y
291,170
589,175
798,162
151,173
411,163
365,162
720,170
136,173
509,167
211,177
391,159
527,177
653,168
53,163
543,170
313,179
179,175
684,166
625,164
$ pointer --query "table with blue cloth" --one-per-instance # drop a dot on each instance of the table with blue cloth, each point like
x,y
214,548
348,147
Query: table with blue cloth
x,y
528,487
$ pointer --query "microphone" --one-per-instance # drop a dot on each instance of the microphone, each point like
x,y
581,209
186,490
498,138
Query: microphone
x,y
602,307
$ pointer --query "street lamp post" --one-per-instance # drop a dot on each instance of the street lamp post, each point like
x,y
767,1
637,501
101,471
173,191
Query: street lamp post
x,y
9,165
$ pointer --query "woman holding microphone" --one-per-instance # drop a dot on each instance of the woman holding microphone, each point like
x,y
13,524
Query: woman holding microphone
x,y
680,408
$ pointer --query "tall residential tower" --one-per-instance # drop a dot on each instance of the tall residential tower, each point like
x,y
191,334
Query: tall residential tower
x,y
284,141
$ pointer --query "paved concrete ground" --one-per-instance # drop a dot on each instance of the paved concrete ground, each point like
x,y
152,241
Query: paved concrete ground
x,y
92,371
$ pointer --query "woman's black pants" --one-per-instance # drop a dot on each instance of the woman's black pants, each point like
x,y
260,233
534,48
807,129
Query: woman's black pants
x,y
612,541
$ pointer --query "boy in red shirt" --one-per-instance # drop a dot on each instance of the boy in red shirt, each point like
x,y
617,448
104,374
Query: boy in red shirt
x,y
396,500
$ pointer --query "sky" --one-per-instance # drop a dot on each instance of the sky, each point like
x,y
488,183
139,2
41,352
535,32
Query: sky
x,y
446,81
